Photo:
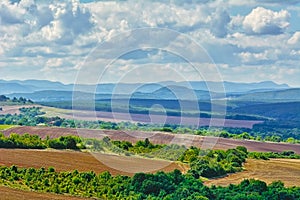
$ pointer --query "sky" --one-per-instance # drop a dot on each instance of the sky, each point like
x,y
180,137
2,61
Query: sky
x,y
87,41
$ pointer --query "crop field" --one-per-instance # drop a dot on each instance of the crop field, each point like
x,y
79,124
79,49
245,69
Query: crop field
x,y
143,118
83,161
157,138
14,109
5,127
13,194
286,170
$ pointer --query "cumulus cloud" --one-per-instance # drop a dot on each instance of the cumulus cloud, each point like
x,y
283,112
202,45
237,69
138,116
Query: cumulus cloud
x,y
28,23
53,37
265,21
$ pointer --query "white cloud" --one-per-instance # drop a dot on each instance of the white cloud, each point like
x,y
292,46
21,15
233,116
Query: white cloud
x,y
295,39
253,41
48,39
266,56
265,21
11,13
295,53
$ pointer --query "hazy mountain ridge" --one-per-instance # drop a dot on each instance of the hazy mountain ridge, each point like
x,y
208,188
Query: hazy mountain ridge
x,y
43,90
29,86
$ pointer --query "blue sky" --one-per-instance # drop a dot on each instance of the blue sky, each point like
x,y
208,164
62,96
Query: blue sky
x,y
247,41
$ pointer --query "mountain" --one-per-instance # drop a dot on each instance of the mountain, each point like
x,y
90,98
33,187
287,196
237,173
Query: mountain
x,y
28,86
232,87
44,90
180,92
8,88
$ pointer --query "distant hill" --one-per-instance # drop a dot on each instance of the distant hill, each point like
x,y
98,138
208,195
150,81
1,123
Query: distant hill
x,y
282,111
233,87
53,95
171,92
8,88
29,86
286,95
180,92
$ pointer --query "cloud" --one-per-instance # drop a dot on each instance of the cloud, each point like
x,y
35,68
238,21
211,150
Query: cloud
x,y
69,21
10,13
291,2
295,39
265,21
267,56
49,39
219,23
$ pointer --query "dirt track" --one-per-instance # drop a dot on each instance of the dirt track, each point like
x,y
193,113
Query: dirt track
x,y
159,138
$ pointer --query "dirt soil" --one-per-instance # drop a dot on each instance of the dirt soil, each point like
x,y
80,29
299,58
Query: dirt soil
x,y
158,138
15,194
84,161
286,170
14,109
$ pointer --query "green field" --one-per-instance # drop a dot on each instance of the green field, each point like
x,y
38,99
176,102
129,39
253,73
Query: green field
x,y
4,127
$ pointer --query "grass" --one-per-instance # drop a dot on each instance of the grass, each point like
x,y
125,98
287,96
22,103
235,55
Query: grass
x,y
5,127
53,112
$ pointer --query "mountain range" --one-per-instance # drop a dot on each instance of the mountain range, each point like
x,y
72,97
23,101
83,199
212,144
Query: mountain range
x,y
44,90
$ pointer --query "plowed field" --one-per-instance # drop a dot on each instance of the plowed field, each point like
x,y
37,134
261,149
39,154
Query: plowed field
x,y
15,194
286,170
158,137
81,161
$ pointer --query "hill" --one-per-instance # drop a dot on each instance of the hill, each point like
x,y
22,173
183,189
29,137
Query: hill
x,y
28,86
285,95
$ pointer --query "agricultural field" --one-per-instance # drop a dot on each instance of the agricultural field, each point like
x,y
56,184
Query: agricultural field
x,y
286,170
13,194
5,127
118,117
14,109
83,161
157,138
143,118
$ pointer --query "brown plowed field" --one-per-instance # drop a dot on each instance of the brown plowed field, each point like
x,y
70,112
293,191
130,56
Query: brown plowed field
x,y
15,194
81,161
159,138
14,109
286,170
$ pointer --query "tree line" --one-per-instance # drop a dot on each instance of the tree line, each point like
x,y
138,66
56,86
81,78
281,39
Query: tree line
x,y
20,100
161,185
203,163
